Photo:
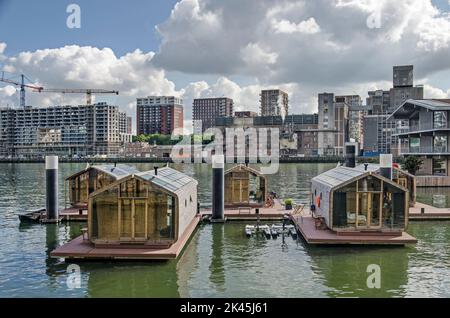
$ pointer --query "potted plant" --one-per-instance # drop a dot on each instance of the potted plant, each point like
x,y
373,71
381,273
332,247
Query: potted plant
x,y
288,204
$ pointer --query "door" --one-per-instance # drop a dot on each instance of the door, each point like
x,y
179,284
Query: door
x,y
369,210
236,191
133,219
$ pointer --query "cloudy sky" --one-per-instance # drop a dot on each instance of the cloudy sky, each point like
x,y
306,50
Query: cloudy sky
x,y
234,48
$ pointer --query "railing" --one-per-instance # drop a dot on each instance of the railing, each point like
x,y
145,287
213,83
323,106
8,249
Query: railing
x,y
421,127
424,150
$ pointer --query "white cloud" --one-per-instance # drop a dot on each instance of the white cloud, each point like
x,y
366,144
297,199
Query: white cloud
x,y
338,48
433,92
309,26
2,47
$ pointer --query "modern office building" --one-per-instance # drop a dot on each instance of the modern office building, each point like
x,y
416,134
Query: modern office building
x,y
274,102
427,135
159,115
207,110
60,130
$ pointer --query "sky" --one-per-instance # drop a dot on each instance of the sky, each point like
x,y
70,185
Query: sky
x,y
234,48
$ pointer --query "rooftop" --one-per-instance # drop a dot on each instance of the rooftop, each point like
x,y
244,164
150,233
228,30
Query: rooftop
x,y
409,107
116,171
167,178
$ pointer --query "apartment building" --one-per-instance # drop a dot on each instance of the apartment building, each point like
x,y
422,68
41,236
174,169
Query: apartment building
x,y
60,130
274,102
426,135
207,110
159,115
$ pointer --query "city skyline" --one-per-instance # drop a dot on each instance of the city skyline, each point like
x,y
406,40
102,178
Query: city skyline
x,y
98,55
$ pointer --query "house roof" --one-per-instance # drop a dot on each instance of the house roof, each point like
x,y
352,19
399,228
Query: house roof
x,y
338,176
246,168
341,175
409,107
167,178
116,171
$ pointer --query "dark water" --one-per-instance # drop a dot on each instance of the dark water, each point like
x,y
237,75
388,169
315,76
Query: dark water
x,y
219,261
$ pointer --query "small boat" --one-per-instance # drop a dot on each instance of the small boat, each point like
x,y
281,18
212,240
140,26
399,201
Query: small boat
x,y
34,216
274,231
266,231
293,233
249,230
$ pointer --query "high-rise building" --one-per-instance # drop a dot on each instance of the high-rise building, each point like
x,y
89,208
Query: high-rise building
x,y
274,102
333,125
62,130
159,115
125,123
208,109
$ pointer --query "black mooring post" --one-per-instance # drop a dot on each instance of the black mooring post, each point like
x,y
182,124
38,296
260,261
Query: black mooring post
x,y
51,173
218,189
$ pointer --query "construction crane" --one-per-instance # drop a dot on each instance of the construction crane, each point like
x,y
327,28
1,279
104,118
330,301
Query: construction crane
x,y
87,91
21,84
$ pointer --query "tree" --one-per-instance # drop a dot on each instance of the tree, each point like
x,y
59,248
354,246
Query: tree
x,y
412,164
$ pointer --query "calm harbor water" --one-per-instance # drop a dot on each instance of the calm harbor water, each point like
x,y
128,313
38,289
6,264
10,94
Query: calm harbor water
x,y
219,261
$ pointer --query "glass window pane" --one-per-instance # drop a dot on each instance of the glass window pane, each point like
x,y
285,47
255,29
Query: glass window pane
x,y
439,167
440,119
440,144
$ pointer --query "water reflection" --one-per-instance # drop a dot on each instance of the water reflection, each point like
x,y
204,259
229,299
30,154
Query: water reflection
x,y
216,268
344,270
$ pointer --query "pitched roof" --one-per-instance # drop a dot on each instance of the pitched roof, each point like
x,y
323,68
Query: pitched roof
x,y
116,171
167,178
337,176
408,107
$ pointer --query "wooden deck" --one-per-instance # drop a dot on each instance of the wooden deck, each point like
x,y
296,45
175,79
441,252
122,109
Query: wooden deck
x,y
78,214
305,225
275,213
430,213
85,250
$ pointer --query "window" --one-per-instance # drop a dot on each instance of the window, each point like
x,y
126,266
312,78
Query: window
x,y
439,167
440,144
440,119
414,145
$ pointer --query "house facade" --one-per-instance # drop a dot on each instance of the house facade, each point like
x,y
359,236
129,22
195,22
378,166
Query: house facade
x,y
425,127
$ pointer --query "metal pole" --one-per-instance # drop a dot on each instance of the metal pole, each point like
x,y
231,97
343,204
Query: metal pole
x,y
51,170
218,189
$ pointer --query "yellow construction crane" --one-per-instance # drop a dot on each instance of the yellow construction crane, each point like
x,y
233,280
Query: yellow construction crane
x,y
87,91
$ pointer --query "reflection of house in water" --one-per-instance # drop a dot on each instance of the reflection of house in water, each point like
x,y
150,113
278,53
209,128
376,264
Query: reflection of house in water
x,y
245,186
135,280
343,270
94,178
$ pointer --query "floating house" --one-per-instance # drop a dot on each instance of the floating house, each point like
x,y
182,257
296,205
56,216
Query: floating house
x,y
359,200
152,208
245,187
148,215
81,184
